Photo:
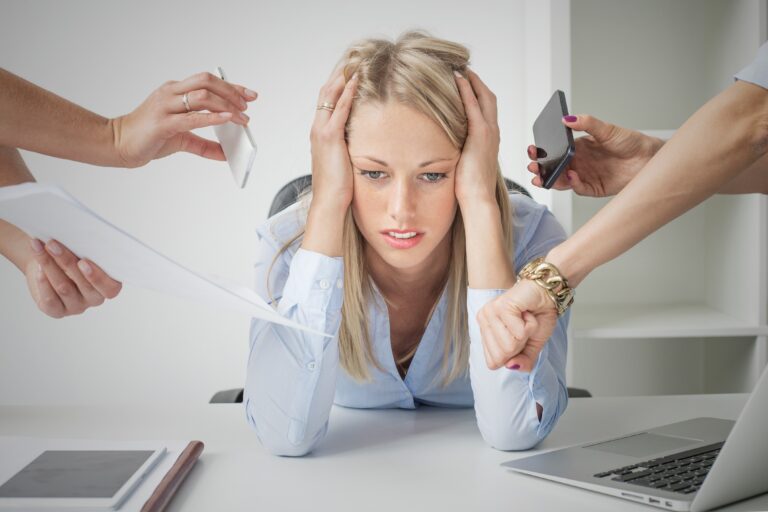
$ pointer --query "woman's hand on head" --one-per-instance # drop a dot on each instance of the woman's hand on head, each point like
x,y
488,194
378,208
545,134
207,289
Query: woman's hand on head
x,y
63,284
605,160
331,166
163,123
476,172
516,325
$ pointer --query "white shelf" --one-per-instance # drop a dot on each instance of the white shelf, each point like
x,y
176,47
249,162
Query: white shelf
x,y
611,321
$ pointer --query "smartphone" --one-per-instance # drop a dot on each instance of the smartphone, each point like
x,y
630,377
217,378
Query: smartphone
x,y
237,142
554,140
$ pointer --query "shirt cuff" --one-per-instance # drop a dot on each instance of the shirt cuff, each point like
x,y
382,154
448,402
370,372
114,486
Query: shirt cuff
x,y
315,281
544,386
479,297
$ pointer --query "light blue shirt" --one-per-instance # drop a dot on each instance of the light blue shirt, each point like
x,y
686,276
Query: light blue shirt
x,y
293,377
757,71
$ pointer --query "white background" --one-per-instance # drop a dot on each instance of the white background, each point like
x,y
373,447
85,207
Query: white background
x,y
108,56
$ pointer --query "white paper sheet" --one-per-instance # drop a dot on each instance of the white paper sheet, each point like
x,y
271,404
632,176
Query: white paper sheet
x,y
47,212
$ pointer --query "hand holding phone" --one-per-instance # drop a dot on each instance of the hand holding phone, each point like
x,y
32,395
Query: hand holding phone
x,y
237,143
554,140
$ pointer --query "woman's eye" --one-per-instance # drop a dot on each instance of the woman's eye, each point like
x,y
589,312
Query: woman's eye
x,y
433,176
374,175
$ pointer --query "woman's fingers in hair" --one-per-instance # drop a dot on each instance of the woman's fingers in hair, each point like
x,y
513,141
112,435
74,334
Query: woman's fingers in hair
x,y
329,96
344,105
468,98
485,97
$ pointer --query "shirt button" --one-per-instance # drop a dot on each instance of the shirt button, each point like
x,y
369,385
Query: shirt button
x,y
311,366
339,283
324,284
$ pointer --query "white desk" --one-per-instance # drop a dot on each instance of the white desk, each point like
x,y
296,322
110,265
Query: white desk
x,y
390,460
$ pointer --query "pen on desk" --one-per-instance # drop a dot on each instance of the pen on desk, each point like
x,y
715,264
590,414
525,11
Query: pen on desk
x,y
173,479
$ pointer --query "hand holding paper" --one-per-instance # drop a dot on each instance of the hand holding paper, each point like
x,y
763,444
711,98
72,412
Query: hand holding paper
x,y
48,213
62,284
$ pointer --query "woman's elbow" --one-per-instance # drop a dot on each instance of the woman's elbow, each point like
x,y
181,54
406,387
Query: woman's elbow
x,y
286,449
508,438
285,442
280,444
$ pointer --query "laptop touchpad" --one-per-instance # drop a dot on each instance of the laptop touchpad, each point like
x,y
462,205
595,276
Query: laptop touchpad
x,y
643,445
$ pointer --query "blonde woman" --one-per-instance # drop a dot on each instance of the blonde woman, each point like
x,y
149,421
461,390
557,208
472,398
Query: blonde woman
x,y
408,232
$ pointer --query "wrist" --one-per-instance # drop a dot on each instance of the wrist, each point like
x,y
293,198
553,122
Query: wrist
x,y
114,135
324,230
480,205
551,283
571,267
15,245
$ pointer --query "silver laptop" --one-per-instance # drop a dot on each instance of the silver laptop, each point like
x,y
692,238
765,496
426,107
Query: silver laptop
x,y
694,465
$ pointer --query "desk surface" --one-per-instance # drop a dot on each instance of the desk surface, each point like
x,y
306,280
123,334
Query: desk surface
x,y
374,460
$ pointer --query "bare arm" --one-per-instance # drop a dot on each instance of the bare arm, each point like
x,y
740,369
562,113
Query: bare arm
x,y
35,119
14,243
722,139
753,179
40,121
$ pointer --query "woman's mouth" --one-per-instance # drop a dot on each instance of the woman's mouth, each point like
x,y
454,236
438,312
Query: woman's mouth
x,y
402,239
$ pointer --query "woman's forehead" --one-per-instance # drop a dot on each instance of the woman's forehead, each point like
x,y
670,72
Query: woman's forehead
x,y
380,128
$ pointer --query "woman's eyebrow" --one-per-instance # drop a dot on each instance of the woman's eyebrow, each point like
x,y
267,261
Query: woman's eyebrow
x,y
385,164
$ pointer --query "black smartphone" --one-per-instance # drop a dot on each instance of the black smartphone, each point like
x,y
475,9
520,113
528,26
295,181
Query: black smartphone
x,y
554,140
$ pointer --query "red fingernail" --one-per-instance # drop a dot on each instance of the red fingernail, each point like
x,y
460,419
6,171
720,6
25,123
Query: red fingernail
x,y
84,267
514,367
571,119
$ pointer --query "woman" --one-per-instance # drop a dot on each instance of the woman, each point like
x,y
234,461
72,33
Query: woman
x,y
408,232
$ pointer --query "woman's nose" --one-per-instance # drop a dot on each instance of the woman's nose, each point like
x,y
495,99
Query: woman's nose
x,y
402,203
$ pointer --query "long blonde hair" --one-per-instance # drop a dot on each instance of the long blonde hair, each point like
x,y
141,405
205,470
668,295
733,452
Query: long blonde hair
x,y
415,70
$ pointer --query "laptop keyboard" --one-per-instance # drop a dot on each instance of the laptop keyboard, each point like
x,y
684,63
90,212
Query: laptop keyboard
x,y
682,472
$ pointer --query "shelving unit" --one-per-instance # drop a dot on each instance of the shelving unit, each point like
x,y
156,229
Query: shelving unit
x,y
694,315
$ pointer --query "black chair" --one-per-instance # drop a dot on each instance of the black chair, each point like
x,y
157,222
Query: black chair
x,y
285,197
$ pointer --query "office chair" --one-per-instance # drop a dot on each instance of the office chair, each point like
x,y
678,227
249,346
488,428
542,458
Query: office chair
x,y
285,197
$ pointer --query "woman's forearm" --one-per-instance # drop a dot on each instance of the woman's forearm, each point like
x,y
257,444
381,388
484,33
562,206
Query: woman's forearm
x,y
35,119
325,227
14,243
488,261
722,139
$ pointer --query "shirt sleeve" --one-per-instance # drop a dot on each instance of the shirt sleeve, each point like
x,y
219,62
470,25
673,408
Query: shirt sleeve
x,y
757,72
505,400
291,375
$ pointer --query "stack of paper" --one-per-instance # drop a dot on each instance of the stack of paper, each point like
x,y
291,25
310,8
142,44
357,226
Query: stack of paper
x,y
47,212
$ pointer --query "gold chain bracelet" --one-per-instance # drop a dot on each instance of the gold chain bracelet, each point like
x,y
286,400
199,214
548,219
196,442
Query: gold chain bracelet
x,y
548,277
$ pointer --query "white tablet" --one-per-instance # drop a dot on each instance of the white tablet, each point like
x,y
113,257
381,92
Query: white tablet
x,y
83,479
237,142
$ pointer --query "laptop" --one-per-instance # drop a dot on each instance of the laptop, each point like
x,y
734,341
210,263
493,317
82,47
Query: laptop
x,y
694,465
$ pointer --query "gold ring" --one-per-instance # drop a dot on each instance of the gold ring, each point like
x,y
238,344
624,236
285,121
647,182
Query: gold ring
x,y
326,106
185,99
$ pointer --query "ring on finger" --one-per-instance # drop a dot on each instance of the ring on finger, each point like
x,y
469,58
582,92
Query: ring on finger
x,y
185,99
326,106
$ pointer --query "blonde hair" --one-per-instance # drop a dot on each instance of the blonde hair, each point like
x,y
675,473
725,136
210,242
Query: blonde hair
x,y
415,70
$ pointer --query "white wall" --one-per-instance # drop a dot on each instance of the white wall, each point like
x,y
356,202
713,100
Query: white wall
x,y
108,56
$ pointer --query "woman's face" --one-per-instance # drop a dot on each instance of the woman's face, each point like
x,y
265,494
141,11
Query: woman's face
x,y
403,200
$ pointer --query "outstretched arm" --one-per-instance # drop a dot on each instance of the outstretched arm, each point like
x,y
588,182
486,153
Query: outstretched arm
x,y
35,119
